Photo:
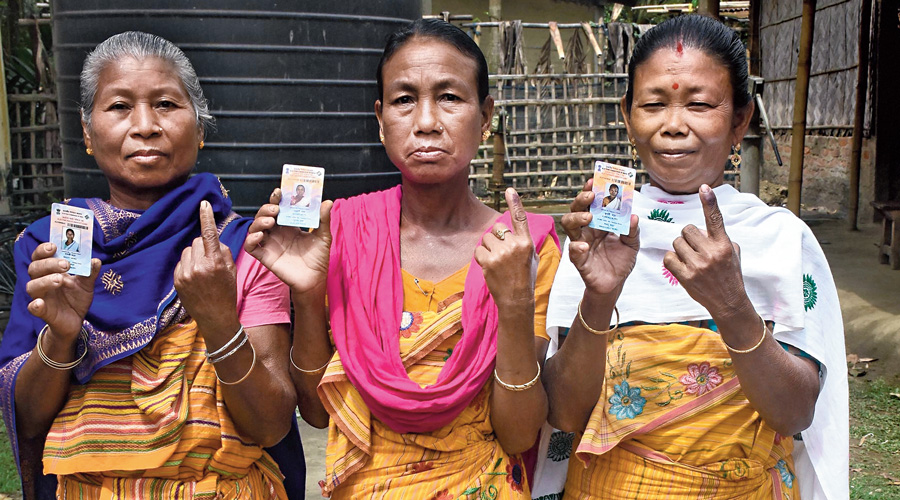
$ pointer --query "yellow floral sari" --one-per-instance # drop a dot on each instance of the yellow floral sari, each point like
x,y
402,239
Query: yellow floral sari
x,y
672,422
366,459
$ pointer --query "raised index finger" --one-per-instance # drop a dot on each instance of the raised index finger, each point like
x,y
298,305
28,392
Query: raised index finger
x,y
715,223
208,229
517,213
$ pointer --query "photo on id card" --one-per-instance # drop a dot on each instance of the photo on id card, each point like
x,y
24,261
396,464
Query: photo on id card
x,y
613,195
72,231
301,196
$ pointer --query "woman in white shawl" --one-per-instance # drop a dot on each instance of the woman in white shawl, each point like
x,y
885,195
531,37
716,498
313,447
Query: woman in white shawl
x,y
722,375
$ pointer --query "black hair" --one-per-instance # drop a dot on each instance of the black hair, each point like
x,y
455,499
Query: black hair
x,y
442,31
614,186
699,32
70,229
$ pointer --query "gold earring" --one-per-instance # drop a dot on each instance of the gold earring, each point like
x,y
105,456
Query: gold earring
x,y
89,151
485,135
634,156
736,155
202,144
381,136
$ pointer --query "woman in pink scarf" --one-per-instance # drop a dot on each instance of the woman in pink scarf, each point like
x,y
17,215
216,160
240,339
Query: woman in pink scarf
x,y
437,303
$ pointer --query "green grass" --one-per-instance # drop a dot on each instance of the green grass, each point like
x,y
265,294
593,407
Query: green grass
x,y
9,478
876,414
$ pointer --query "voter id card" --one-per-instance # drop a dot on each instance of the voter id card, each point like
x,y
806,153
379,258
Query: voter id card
x,y
613,195
301,196
72,231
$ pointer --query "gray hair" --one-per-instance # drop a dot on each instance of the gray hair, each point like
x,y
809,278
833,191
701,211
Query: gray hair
x,y
140,46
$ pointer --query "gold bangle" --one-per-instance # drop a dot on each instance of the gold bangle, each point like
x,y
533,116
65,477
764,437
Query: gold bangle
x,y
307,372
236,382
597,332
747,351
56,365
522,387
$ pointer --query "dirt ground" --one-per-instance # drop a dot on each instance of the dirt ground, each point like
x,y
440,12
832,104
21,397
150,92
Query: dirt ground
x,y
870,302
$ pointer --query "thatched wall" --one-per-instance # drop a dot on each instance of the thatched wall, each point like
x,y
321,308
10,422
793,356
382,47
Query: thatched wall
x,y
832,91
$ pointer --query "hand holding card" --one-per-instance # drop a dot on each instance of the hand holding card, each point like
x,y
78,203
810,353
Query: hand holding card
x,y
603,258
59,298
298,257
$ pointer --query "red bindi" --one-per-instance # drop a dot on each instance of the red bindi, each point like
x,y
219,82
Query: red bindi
x,y
675,86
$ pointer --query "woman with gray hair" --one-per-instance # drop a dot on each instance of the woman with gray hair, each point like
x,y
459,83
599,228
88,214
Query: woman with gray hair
x,y
163,373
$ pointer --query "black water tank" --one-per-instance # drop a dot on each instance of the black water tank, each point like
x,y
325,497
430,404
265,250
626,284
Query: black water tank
x,y
288,82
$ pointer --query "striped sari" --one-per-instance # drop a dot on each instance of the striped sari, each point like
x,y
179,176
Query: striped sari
x,y
367,459
154,425
672,422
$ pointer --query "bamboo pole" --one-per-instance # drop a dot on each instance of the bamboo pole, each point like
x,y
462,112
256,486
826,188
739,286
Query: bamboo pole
x,y
754,47
495,12
801,95
862,84
499,161
5,143
557,40
709,8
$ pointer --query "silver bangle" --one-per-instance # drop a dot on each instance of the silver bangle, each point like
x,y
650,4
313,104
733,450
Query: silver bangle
x,y
238,381
227,344
308,372
56,365
229,353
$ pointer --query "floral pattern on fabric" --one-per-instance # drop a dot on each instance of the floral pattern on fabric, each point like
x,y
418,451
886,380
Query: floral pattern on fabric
x,y
809,292
560,447
410,323
701,378
515,474
787,477
669,276
442,495
660,214
627,402
420,467
734,469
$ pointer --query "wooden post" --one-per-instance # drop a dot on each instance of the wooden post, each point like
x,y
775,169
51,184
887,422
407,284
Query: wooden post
x,y
495,13
753,45
801,94
497,185
709,8
862,84
5,145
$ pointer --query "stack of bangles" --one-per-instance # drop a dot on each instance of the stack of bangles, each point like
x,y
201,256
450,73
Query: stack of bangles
x,y
56,365
240,338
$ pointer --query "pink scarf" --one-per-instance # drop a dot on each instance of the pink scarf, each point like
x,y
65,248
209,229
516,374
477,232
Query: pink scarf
x,y
365,296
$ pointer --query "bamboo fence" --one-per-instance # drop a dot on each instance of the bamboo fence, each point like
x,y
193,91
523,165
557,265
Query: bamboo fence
x,y
832,86
556,127
36,179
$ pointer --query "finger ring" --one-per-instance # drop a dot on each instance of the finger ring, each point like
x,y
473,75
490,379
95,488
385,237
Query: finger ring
x,y
501,234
